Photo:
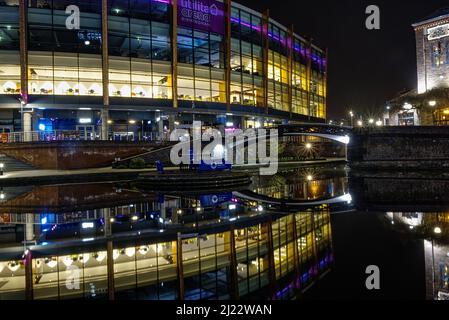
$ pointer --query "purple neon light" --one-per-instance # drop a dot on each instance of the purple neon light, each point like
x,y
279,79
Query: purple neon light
x,y
296,48
162,1
246,24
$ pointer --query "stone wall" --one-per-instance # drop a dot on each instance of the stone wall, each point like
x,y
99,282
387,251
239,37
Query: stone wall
x,y
67,155
418,147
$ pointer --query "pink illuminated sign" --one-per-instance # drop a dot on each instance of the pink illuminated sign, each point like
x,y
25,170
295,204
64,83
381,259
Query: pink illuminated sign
x,y
206,15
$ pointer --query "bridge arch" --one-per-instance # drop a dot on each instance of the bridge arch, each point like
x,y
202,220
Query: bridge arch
x,y
336,133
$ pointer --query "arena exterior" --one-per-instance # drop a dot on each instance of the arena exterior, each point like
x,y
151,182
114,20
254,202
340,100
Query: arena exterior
x,y
143,67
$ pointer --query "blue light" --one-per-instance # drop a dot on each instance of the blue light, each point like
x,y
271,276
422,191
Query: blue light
x,y
42,127
44,220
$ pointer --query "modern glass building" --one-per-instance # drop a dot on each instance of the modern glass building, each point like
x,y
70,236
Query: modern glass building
x,y
147,65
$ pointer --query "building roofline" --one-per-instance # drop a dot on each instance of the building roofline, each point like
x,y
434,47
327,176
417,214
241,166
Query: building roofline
x,y
436,16
276,23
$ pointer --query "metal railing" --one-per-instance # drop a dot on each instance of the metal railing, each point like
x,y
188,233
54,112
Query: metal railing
x,y
73,135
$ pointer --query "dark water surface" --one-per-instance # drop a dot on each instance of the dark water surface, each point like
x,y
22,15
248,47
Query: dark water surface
x,y
306,233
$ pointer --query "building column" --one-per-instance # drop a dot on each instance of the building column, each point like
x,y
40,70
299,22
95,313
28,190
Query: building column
x,y
174,44
171,122
107,221
23,35
228,54
268,228
105,70
314,245
28,261
291,46
163,210
179,268
325,60
160,126
296,253
234,279
266,51
110,269
23,40
109,252
27,126
309,75
29,228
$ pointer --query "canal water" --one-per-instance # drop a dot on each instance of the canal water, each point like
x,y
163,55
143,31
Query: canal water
x,y
305,233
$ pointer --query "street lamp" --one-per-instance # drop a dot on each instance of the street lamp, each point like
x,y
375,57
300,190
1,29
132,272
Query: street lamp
x,y
407,106
2,167
360,123
371,121
432,103
351,114
308,146
378,123
437,230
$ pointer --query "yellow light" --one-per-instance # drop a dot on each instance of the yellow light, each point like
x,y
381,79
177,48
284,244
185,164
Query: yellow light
x,y
309,178
407,106
446,111
432,103
109,121
308,146
437,230
131,251
132,121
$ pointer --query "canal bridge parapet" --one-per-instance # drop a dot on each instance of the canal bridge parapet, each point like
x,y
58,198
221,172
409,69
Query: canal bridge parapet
x,y
425,147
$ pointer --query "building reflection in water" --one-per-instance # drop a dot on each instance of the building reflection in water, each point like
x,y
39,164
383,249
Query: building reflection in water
x,y
125,243
433,228
304,184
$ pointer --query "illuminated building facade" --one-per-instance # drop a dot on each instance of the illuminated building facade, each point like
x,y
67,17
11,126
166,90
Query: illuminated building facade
x,y
120,252
433,228
134,63
428,103
432,51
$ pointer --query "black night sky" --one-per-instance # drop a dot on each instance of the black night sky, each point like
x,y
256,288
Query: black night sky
x,y
366,67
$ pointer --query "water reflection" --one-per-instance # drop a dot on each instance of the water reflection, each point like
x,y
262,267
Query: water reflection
x,y
122,242
433,228
271,241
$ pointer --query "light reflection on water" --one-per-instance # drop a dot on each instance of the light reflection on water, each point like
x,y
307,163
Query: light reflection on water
x,y
269,241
